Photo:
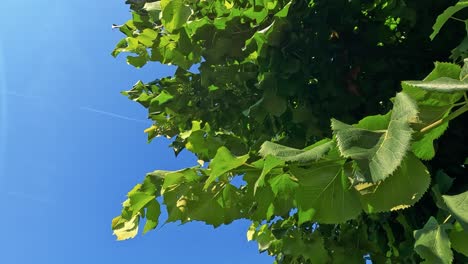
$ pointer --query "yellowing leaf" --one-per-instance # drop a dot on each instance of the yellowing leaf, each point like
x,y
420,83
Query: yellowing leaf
x,y
127,229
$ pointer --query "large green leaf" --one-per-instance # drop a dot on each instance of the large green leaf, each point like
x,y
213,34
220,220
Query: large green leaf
x,y
174,14
288,154
283,186
433,106
458,207
446,15
223,162
324,194
459,239
379,152
312,249
432,243
401,190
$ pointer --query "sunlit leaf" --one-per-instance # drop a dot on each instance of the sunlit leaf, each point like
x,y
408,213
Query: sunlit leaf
x,y
432,243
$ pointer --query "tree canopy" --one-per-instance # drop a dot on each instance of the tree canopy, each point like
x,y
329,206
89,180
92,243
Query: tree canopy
x,y
327,124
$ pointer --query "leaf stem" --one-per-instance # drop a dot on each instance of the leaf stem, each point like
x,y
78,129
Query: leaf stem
x,y
446,219
453,115
458,19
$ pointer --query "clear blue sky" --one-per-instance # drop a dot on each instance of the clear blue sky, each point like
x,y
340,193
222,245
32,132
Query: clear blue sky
x,y
65,168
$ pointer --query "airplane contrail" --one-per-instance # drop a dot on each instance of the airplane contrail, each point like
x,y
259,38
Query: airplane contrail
x,y
114,115
84,108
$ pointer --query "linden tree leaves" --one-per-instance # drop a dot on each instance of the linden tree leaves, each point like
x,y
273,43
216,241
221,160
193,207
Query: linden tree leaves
x,y
459,239
458,207
269,163
223,162
288,154
401,190
443,84
283,185
153,9
174,14
433,244
139,200
126,229
152,215
446,15
312,249
433,106
380,151
324,194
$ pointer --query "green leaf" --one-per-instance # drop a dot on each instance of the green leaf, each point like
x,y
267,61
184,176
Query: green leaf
x,y
174,14
399,191
446,15
283,186
443,181
127,229
174,178
444,69
138,200
324,194
312,249
163,97
223,162
147,37
379,152
458,207
270,163
153,9
343,255
137,62
207,209
433,97
288,154
153,211
443,84
284,11
432,243
464,70
423,147
459,241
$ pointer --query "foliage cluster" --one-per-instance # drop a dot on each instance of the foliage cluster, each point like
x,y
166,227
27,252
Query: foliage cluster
x,y
297,99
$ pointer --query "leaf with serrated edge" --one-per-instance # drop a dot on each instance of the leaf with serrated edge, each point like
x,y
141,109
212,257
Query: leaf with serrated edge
x,y
432,243
458,207
324,194
443,84
296,155
381,151
401,190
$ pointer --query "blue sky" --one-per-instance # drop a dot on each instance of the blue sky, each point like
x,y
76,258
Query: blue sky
x,y
71,146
